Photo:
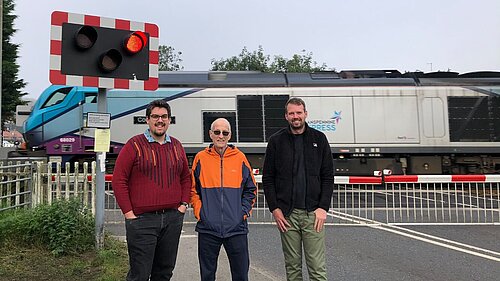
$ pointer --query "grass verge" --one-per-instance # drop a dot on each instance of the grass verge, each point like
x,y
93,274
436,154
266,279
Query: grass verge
x,y
35,263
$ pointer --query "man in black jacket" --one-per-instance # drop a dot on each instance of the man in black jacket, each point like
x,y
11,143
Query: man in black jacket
x,y
298,184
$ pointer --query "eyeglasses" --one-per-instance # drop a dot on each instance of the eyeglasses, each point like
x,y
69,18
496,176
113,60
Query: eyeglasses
x,y
156,116
224,133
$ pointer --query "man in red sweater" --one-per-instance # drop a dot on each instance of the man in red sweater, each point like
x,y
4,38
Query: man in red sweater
x,y
152,183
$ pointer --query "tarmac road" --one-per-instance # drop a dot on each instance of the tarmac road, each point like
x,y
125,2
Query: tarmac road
x,y
386,253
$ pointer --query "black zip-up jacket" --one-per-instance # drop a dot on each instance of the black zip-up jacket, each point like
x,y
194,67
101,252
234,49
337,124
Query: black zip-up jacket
x,y
277,175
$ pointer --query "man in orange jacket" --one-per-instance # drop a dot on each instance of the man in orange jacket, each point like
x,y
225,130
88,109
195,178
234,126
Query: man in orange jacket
x,y
223,195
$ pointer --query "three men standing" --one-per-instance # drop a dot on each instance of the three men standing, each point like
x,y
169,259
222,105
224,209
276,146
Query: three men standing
x,y
298,184
152,185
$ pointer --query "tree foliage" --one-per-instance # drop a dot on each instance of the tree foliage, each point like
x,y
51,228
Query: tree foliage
x,y
298,63
11,84
258,61
251,61
169,60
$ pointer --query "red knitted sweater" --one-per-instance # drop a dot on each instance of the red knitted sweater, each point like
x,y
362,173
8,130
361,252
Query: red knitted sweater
x,y
151,176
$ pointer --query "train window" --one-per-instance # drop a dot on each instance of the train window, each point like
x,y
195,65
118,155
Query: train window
x,y
90,97
57,97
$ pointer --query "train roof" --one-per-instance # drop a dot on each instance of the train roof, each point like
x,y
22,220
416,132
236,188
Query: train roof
x,y
345,78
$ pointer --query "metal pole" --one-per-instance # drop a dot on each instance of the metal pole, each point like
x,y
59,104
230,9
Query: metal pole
x,y
102,107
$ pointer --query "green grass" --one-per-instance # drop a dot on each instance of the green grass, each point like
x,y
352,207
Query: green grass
x,y
34,263
56,242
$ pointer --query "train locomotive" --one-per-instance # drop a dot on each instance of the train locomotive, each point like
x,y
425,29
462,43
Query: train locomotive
x,y
410,123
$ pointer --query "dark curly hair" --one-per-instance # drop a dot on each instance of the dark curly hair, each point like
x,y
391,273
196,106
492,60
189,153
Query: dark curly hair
x,y
158,103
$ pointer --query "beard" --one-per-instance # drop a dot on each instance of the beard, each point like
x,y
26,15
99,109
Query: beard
x,y
156,133
296,126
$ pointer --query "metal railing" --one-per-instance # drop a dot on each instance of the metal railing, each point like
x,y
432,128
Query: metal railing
x,y
15,184
391,200
418,200
32,184
356,200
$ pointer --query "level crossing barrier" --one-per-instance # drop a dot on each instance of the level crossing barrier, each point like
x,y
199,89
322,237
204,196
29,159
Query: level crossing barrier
x,y
387,199
422,199
433,199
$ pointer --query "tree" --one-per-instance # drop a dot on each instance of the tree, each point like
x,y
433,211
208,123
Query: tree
x,y
169,60
298,63
251,61
11,84
258,61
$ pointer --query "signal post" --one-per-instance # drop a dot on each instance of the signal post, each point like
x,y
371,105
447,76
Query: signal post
x,y
106,53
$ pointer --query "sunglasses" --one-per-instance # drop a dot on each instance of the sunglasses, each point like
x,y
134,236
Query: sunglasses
x,y
156,116
224,133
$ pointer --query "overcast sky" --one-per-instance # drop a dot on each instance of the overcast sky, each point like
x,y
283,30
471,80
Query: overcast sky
x,y
407,35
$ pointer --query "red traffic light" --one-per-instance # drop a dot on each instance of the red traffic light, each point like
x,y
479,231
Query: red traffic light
x,y
135,42
85,37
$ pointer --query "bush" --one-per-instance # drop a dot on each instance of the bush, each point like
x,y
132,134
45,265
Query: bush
x,y
13,226
65,227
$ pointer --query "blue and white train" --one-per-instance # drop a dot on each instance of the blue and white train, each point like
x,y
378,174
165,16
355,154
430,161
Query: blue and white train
x,y
412,123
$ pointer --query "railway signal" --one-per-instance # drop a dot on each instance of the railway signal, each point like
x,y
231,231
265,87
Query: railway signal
x,y
101,52
104,52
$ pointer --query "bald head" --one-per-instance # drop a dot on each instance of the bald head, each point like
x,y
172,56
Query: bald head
x,y
221,122
220,133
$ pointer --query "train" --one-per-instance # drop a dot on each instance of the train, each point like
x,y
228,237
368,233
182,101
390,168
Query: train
x,y
408,123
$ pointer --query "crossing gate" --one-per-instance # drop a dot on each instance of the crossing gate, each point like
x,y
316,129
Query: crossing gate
x,y
400,200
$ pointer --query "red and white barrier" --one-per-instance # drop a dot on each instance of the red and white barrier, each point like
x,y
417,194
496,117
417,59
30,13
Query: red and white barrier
x,y
395,179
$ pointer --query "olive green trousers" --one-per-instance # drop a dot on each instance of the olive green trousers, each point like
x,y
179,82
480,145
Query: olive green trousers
x,y
300,235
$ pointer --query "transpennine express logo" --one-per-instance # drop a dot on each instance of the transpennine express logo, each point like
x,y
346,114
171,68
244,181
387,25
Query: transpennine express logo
x,y
329,125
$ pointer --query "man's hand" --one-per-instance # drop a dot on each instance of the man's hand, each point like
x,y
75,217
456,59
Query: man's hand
x,y
319,221
182,209
281,222
130,215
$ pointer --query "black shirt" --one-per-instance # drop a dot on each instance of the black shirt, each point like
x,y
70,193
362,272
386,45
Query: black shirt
x,y
299,173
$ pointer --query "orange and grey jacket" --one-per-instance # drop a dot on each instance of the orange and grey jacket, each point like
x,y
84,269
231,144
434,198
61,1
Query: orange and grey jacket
x,y
223,192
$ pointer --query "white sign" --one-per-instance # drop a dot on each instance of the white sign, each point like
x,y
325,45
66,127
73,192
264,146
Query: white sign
x,y
98,120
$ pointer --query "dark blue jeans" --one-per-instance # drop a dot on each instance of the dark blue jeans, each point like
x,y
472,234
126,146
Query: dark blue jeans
x,y
237,252
153,241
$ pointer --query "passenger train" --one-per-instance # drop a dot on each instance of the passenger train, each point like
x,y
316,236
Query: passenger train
x,y
410,123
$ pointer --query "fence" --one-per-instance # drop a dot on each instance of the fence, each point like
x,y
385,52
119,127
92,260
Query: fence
x,y
15,185
418,200
356,200
31,184
393,200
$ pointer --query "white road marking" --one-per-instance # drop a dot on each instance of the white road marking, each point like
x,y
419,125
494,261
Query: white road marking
x,y
435,240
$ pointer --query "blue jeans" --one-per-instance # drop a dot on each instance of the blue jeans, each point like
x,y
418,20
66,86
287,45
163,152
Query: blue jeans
x,y
237,252
153,241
